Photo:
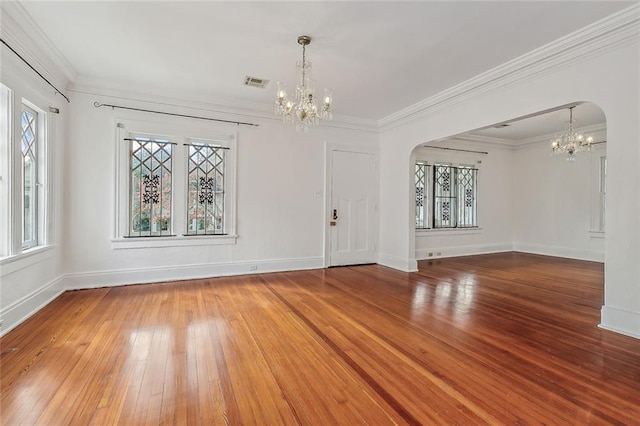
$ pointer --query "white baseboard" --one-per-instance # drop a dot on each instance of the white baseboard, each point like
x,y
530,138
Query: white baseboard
x,y
20,310
571,253
441,252
113,278
396,262
620,321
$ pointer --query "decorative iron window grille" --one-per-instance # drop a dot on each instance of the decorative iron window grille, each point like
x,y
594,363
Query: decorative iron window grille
x,y
150,187
445,196
29,145
466,197
206,189
421,174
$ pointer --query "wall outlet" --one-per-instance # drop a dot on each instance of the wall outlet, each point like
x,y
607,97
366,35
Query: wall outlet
x,y
430,254
439,254
253,267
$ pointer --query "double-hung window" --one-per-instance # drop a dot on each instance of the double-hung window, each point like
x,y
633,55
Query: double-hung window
x,y
150,205
445,196
23,166
206,188
176,182
29,168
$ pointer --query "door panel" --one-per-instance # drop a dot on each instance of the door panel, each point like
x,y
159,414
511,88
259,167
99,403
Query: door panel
x,y
353,195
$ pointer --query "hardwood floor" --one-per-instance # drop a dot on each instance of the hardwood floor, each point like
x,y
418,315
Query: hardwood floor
x,y
500,339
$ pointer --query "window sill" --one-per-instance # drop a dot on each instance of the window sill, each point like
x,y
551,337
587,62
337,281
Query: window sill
x,y
11,264
176,241
448,231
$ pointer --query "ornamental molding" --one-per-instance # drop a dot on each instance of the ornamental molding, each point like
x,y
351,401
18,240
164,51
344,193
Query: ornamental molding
x,y
614,31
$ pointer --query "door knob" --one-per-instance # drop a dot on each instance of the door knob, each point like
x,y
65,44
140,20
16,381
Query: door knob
x,y
335,214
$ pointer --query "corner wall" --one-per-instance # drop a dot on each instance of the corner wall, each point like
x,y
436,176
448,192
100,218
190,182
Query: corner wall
x,y
516,94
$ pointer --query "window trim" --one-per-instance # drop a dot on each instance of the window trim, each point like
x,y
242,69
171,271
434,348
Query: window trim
x,y
430,197
35,205
179,133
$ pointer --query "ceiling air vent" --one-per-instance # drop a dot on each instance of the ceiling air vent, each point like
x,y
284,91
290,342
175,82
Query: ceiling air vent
x,y
260,83
500,126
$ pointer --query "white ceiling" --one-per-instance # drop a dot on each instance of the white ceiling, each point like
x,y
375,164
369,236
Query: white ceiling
x,y
544,124
379,57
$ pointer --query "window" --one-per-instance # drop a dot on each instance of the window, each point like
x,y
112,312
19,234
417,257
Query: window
x,y
206,189
175,184
23,174
422,201
150,183
29,148
446,196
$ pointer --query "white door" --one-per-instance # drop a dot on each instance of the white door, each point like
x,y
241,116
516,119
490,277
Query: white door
x,y
353,205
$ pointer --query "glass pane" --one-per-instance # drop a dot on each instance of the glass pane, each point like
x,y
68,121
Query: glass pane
x,y
466,197
444,182
28,143
151,167
422,209
206,190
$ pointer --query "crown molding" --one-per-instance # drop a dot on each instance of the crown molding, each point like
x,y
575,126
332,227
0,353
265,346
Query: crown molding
x,y
21,32
614,31
234,108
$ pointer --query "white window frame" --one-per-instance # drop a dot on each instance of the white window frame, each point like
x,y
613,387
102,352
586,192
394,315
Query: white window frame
x,y
34,204
14,95
179,133
6,171
429,198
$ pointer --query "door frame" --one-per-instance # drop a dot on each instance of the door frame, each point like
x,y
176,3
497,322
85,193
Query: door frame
x,y
330,147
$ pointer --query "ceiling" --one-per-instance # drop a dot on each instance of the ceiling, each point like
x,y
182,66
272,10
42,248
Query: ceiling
x,y
544,123
378,57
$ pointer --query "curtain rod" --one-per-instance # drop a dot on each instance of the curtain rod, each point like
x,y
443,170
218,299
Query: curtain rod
x,y
455,149
35,70
98,105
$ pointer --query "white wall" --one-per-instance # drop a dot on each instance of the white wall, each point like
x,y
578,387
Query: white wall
x,y
494,233
555,203
32,279
519,91
280,209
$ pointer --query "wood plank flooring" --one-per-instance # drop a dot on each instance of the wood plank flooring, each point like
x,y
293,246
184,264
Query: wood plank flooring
x,y
493,339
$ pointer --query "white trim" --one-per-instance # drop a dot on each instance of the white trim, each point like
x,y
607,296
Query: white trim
x,y
568,252
470,250
26,37
618,321
614,31
11,264
396,262
330,147
447,231
175,241
114,278
22,309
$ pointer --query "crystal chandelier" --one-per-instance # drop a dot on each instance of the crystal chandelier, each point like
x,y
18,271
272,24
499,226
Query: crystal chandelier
x,y
302,109
571,142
